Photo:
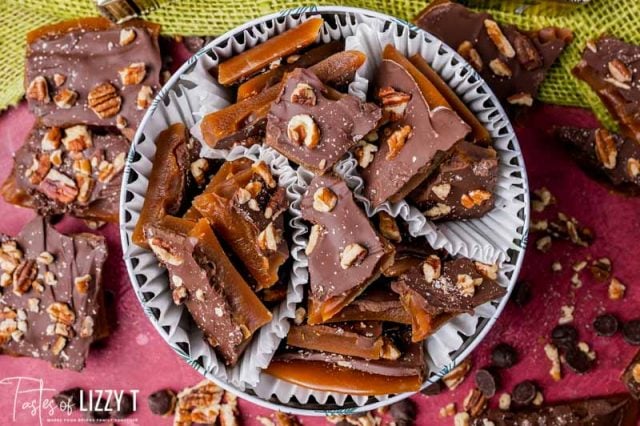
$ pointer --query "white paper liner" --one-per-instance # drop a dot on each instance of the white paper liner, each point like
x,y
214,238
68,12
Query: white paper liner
x,y
194,93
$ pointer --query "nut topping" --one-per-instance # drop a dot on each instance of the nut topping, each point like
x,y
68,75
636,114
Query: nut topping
x,y
82,166
394,103
498,38
58,186
65,98
132,74
56,158
262,169
474,198
616,289
242,196
45,258
606,149
86,328
198,169
324,200
144,98
526,52
51,139
62,313
524,99
58,345
85,187
500,68
24,276
364,154
432,268
442,190
303,94
314,237
179,295
104,100
389,227
438,210
397,140
468,52
303,130
269,238
162,250
619,71
59,79
489,271
352,255
633,167
82,283
77,138
466,285
127,35
38,90
39,169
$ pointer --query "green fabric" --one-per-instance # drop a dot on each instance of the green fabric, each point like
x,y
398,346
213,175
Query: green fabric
x,y
207,17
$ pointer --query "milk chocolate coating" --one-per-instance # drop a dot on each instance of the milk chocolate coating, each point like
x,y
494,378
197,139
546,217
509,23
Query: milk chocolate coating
x,y
89,58
618,410
469,168
74,256
442,295
377,303
349,338
342,123
454,24
581,144
104,199
621,98
345,224
433,132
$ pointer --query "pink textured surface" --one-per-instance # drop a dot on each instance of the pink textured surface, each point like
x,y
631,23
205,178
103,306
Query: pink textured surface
x,y
135,357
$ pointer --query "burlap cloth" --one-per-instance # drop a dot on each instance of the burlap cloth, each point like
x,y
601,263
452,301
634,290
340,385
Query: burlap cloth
x,y
209,17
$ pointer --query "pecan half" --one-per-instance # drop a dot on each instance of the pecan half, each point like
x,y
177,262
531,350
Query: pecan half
x,y
606,149
104,100
23,276
38,90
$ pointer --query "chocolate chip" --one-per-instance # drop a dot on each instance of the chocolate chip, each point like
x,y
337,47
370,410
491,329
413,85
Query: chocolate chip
x,y
162,402
487,381
124,409
631,332
606,325
97,416
504,355
403,412
521,294
564,336
524,393
433,389
578,360
68,399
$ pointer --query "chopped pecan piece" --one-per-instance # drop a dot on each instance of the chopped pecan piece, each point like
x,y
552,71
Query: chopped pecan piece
x,y
38,90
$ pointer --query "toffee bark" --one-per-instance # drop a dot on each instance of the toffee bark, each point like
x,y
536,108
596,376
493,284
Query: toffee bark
x,y
52,302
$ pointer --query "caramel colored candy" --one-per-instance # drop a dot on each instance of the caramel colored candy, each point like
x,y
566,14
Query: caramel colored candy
x,y
168,180
252,112
253,60
375,304
479,132
247,211
268,78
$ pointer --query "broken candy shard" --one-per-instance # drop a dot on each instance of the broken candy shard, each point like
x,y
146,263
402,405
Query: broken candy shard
x,y
248,210
443,287
255,59
358,339
347,253
168,180
244,116
313,130
512,62
375,304
69,60
52,305
615,410
609,66
202,277
413,143
610,157
463,185
631,376
77,170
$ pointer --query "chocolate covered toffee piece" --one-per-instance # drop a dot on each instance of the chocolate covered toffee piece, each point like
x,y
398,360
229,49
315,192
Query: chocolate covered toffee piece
x,y
171,176
51,286
89,71
631,376
77,170
310,128
345,252
617,410
610,67
441,287
512,62
377,303
247,210
349,374
609,156
463,185
413,142
202,277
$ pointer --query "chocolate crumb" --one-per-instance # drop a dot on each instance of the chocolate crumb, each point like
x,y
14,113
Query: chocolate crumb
x,y
606,325
162,402
487,382
631,332
524,393
504,355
